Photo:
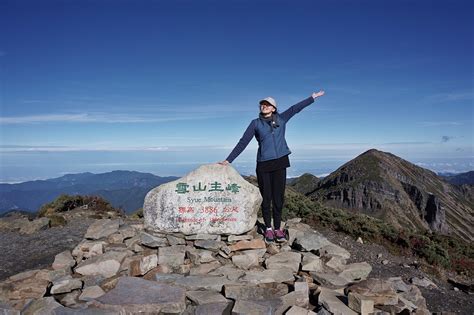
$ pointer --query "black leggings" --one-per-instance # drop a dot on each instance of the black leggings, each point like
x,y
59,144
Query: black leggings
x,y
272,188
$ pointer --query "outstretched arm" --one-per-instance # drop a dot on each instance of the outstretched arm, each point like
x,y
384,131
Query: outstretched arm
x,y
290,112
242,144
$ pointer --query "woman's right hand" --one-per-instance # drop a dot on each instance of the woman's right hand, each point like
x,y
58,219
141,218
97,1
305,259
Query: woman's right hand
x,y
225,162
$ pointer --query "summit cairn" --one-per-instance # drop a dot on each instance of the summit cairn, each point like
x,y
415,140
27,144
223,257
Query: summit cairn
x,y
212,199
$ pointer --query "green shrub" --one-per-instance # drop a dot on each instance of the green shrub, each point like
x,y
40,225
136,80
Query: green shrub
x,y
56,220
138,214
66,203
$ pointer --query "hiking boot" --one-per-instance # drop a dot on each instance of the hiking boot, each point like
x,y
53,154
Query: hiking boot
x,y
269,236
280,236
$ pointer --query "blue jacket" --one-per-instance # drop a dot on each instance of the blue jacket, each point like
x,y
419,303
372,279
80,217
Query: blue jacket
x,y
271,140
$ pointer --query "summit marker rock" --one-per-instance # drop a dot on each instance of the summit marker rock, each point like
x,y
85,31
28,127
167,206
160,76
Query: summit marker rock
x,y
212,199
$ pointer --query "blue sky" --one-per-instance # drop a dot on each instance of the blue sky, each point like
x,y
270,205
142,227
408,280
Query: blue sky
x,y
164,86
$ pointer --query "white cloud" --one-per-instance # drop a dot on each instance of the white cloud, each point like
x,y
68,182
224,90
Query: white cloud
x,y
101,118
101,147
439,123
450,97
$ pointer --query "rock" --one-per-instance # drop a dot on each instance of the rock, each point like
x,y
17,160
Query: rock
x,y
272,249
423,282
172,256
209,244
147,297
329,279
359,240
127,232
413,294
257,307
298,298
41,306
310,240
229,271
234,238
286,260
356,271
31,284
398,284
253,244
105,265
102,228
164,277
54,275
206,256
378,290
141,266
91,293
259,252
204,269
255,292
205,297
70,299
269,275
203,282
360,304
334,250
462,284
224,308
385,262
116,238
173,240
296,310
246,261
212,199
311,262
330,300
152,241
66,285
87,249
7,310
201,236
63,260
336,263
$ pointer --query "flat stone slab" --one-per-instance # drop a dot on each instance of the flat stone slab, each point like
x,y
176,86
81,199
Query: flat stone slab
x,y
268,276
201,282
212,199
205,297
331,301
290,260
134,295
106,265
310,240
102,228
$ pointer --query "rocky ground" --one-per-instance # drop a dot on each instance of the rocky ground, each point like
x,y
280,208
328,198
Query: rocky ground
x,y
444,298
22,252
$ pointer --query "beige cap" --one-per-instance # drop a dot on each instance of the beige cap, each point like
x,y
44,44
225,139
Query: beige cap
x,y
269,100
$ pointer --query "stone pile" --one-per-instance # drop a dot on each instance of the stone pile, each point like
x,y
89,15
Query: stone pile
x,y
122,268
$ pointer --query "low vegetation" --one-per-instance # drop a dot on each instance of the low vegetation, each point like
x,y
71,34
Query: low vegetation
x,y
96,204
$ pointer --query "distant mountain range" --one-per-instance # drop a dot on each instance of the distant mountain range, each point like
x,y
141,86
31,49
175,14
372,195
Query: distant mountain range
x,y
124,189
459,179
375,183
390,188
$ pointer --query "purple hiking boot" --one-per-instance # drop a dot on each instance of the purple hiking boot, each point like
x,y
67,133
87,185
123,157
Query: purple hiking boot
x,y
280,236
269,236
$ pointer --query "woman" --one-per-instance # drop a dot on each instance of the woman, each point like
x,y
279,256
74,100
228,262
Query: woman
x,y
272,158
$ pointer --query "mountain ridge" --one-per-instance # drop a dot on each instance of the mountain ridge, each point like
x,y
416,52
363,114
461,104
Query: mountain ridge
x,y
385,186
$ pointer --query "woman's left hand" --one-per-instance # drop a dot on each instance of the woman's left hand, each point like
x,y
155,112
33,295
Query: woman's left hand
x,y
316,95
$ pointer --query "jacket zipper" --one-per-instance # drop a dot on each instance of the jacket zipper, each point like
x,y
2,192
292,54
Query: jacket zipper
x,y
274,143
